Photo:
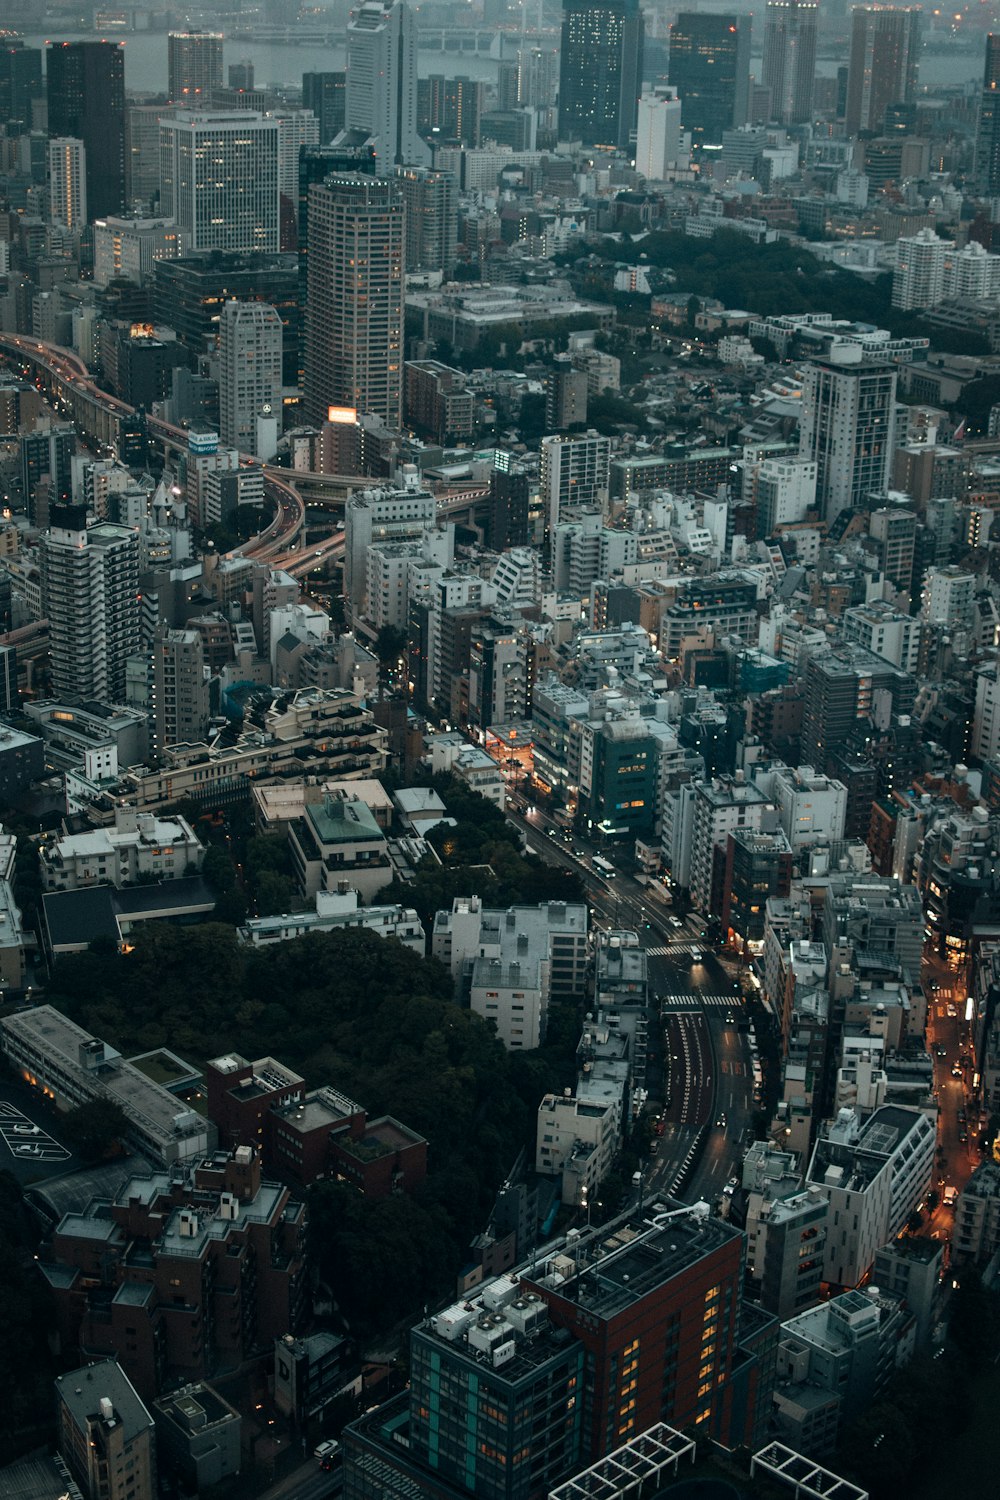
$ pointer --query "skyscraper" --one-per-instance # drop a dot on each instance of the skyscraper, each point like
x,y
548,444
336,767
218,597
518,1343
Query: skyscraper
x,y
573,476
789,67
382,81
326,95
431,219
90,595
600,71
219,179
67,183
85,83
847,428
709,66
988,139
250,336
20,83
658,135
354,307
194,66
882,67
180,687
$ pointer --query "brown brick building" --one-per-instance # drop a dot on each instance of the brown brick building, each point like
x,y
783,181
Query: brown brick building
x,y
182,1274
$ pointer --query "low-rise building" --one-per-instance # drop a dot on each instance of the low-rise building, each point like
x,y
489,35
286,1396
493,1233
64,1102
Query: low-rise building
x,y
576,1140
140,846
976,1236
105,1433
52,1053
336,911
198,1436
309,1373
338,845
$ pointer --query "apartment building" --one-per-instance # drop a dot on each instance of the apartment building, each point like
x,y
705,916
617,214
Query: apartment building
x,y
140,846
105,1433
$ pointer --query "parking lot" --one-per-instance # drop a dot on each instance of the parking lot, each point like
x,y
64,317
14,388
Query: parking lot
x,y
27,1142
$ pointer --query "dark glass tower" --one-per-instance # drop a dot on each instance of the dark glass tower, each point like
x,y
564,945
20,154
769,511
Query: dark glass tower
x,y
710,69
600,74
988,141
20,82
86,97
326,95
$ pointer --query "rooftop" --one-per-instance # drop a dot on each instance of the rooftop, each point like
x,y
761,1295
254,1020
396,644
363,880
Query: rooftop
x,y
81,1391
344,821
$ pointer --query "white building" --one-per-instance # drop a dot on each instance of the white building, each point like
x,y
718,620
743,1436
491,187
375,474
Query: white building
x,y
885,631
139,846
575,1139
719,807
90,589
811,807
296,128
67,183
948,597
219,179
875,1175
381,515
785,492
250,336
986,715
337,911
919,277
574,475
128,249
658,135
382,82
848,427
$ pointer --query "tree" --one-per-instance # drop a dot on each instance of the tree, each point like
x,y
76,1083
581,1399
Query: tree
x,y
217,868
973,1322
96,1129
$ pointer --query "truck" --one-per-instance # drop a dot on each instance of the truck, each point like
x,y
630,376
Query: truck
x,y
950,1197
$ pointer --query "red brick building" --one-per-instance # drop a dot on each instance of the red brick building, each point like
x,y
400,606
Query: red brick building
x,y
182,1275
306,1136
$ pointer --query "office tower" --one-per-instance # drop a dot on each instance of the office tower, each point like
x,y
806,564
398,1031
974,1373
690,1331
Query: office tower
x,y
658,133
194,66
600,71
506,519
249,371
573,476
67,183
709,66
188,293
20,83
180,687
128,249
354,307
85,85
988,139
90,595
789,67
842,688
219,179
239,75
450,109
382,81
326,95
47,454
848,429
431,218
142,154
106,1435
298,129
882,65
537,77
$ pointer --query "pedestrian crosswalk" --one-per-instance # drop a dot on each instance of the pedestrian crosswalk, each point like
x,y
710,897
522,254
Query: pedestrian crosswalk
x,y
670,950
692,1001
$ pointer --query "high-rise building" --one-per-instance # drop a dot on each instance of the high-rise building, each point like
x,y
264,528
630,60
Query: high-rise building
x,y
188,293
882,67
219,179
919,276
382,81
47,454
450,109
573,476
789,67
85,86
840,690
326,95
848,428
988,138
431,219
658,133
20,83
90,595
249,371
354,307
709,66
106,1435
506,521
600,71
298,130
194,66
142,154
67,183
128,249
180,688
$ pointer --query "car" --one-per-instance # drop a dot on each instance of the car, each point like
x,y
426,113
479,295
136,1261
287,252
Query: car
x,y
27,1130
721,1121
952,1011
326,1451
696,955
675,921
941,1051
34,1150
730,1019
580,853
956,1071
963,1136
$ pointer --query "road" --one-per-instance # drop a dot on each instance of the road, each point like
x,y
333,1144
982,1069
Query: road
x,y
705,1032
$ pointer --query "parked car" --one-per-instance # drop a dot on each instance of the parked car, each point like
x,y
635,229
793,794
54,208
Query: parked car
x,y
27,1130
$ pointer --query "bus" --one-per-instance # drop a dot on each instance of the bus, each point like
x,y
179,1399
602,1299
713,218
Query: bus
x,y
603,866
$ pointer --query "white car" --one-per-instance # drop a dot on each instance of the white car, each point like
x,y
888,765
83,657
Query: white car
x,y
27,1130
